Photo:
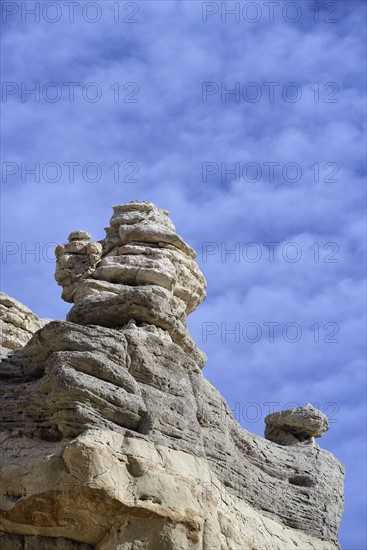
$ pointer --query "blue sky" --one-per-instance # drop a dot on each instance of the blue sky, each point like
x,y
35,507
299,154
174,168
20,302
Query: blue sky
x,y
175,130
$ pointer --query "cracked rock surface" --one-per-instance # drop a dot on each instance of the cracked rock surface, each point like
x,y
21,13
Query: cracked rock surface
x,y
112,438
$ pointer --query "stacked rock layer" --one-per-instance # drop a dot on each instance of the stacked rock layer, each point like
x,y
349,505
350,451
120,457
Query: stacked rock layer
x,y
113,439
142,271
17,323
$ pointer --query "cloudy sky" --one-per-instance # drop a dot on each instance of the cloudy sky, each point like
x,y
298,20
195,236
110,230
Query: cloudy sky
x,y
249,128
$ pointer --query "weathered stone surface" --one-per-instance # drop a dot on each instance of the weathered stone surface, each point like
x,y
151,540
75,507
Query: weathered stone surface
x,y
113,438
153,305
299,425
121,492
21,542
142,270
76,261
17,323
136,381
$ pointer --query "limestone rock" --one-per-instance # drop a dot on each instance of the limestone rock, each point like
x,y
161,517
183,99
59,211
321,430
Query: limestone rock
x,y
298,425
111,437
71,378
21,542
17,323
76,260
114,491
142,270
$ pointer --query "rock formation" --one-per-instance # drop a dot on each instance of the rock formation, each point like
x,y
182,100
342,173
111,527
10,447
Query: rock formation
x,y
17,323
299,425
113,439
142,271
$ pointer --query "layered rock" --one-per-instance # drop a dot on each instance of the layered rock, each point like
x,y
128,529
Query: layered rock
x,y
17,323
142,271
298,425
113,438
113,491
76,260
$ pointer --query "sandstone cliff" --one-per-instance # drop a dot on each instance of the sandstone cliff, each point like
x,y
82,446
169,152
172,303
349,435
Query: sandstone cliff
x,y
111,437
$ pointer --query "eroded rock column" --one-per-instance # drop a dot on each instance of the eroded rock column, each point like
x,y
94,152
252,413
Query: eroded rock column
x,y
142,271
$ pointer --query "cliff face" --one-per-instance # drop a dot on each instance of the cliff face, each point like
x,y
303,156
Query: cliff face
x,y
113,439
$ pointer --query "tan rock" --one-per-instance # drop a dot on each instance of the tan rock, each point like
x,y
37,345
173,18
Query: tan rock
x,y
119,492
111,437
298,425
17,323
144,271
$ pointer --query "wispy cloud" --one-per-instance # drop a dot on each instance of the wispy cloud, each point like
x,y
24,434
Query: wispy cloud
x,y
165,138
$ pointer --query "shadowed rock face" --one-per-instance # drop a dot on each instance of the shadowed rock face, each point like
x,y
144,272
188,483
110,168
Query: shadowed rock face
x,y
112,437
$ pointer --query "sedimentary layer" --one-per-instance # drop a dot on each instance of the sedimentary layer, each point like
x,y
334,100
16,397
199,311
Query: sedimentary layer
x,y
112,438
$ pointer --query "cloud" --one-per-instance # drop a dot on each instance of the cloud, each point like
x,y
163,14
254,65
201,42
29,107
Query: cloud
x,y
169,134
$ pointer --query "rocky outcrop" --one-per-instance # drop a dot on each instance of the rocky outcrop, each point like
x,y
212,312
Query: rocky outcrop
x,y
114,491
142,271
113,438
299,425
17,323
76,260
